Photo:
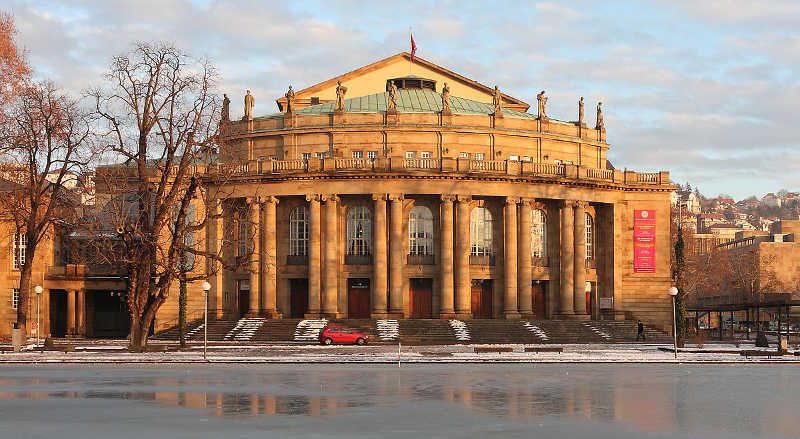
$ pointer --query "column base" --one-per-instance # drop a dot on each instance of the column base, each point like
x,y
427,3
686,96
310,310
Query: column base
x,y
511,315
378,315
312,315
563,315
331,315
528,316
579,317
271,314
447,315
253,314
463,316
394,315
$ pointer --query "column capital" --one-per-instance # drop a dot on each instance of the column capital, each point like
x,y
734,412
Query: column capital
x,y
512,200
567,203
527,201
448,197
329,197
379,197
396,197
270,199
463,198
579,204
313,197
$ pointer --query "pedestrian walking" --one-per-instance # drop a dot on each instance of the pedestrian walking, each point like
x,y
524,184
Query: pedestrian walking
x,y
639,330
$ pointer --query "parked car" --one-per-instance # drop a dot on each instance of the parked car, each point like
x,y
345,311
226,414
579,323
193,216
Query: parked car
x,y
340,334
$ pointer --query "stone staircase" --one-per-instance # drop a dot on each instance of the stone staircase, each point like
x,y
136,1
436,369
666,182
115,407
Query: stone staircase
x,y
424,331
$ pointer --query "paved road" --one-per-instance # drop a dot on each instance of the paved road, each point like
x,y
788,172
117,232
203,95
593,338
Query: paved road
x,y
343,401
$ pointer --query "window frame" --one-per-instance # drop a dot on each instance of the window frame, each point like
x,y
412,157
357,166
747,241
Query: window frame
x,y
420,231
539,238
298,231
589,236
356,216
15,299
20,247
481,233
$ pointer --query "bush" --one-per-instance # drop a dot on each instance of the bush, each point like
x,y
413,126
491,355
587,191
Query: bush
x,y
761,340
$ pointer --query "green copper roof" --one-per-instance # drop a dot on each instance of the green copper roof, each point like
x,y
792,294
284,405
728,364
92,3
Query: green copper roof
x,y
408,101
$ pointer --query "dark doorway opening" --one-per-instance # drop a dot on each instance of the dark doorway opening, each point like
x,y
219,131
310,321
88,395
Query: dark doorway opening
x,y
358,300
299,297
421,298
539,297
111,318
58,313
243,295
482,298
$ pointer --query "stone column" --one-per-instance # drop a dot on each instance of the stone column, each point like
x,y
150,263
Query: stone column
x,y
580,258
214,270
330,298
510,310
396,255
270,258
314,256
256,255
567,260
379,266
524,261
80,313
462,274
71,312
446,258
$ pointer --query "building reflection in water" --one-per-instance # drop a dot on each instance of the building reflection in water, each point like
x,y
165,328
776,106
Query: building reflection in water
x,y
667,401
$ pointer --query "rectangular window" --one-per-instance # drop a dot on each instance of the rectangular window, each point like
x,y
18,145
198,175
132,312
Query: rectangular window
x,y
358,154
426,154
273,157
514,158
306,155
526,159
321,155
463,155
372,154
20,245
479,156
15,299
411,154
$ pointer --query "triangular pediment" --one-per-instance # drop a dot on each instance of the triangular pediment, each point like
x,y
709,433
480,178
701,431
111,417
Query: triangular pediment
x,y
371,79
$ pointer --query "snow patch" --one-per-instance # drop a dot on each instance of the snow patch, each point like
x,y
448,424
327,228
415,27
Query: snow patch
x,y
387,329
308,330
244,329
460,330
537,331
605,335
194,331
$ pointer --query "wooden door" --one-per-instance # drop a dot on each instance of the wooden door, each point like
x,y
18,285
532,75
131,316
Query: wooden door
x,y
358,299
299,298
539,300
244,298
482,298
421,298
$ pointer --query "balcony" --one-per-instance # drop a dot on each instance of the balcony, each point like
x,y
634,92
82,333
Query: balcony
x,y
297,260
481,260
358,259
420,260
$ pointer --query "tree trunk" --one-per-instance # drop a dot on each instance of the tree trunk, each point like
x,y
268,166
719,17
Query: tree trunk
x,y
24,296
182,313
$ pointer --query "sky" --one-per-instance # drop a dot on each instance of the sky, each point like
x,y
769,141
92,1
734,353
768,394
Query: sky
x,y
704,89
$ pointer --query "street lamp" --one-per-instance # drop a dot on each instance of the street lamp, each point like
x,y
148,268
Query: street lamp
x,y
38,290
674,292
206,287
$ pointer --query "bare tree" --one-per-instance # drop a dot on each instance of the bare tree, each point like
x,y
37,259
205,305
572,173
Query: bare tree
x,y
14,69
44,147
160,116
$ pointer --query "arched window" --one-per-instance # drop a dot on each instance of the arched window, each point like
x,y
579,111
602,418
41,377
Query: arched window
x,y
420,231
298,231
589,237
359,231
538,234
480,228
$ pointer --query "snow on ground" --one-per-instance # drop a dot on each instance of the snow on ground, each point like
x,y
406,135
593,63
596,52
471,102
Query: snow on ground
x,y
387,329
537,331
460,329
605,335
308,330
244,329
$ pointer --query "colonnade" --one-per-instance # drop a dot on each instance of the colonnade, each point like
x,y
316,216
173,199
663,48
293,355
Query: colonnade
x,y
387,287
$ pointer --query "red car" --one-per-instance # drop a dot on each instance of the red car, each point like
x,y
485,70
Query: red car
x,y
340,334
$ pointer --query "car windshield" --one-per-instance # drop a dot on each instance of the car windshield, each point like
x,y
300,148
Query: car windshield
x,y
333,329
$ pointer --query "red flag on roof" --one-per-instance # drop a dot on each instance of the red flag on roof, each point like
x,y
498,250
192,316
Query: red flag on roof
x,y
413,48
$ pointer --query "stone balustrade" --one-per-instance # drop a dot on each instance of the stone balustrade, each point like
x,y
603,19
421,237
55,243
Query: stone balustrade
x,y
443,165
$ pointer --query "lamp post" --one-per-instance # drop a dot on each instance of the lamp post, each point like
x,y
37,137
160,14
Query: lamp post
x,y
206,287
38,290
674,292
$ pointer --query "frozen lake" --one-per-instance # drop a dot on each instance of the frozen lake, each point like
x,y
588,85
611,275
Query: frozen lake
x,y
343,401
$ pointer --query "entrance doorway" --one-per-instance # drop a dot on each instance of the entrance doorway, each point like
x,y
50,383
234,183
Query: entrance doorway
x,y
299,297
421,298
243,288
358,298
482,298
539,296
110,318
58,313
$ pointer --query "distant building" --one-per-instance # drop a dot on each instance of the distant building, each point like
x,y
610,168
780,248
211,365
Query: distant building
x,y
686,200
771,200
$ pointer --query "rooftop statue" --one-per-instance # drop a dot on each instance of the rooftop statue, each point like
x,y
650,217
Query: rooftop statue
x,y
392,104
290,100
446,99
249,103
497,101
599,125
580,111
340,91
226,107
542,105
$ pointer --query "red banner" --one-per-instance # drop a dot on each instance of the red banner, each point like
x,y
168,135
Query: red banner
x,y
644,241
